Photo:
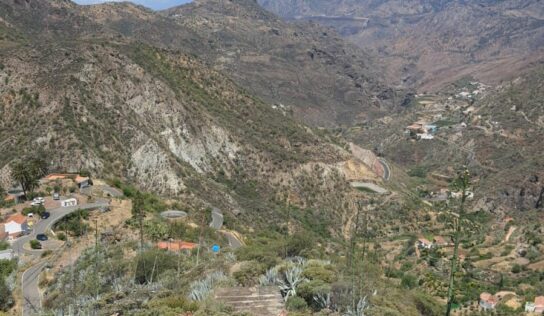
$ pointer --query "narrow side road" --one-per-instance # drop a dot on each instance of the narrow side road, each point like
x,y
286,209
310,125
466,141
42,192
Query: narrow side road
x,y
30,278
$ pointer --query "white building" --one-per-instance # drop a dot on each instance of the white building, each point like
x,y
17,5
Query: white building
x,y
15,226
68,203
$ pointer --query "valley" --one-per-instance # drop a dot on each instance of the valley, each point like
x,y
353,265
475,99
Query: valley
x,y
272,158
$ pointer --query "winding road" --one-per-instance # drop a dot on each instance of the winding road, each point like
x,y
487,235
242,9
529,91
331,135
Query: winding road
x,y
30,278
386,169
217,224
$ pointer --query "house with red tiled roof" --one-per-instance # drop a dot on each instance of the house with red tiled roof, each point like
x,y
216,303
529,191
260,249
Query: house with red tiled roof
x,y
176,245
15,225
488,301
537,307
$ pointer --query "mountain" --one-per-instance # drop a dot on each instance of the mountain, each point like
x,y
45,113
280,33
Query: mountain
x,y
430,43
92,99
305,67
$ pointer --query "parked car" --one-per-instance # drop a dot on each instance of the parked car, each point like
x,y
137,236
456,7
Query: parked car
x,y
37,201
46,215
41,237
56,196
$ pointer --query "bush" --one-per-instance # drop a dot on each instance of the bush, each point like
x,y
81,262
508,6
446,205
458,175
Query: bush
x,y
6,300
309,290
61,236
34,244
152,263
299,243
4,245
295,303
408,281
249,273
36,210
318,272
180,303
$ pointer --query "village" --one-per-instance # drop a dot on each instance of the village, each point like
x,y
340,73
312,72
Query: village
x,y
32,232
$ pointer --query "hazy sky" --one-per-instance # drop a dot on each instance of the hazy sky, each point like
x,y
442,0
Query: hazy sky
x,y
153,4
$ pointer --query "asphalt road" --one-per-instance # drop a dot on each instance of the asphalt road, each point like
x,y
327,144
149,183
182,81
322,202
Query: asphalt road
x,y
217,223
30,278
217,219
386,169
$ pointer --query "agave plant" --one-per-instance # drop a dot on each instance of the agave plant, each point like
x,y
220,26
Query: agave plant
x,y
323,300
201,289
359,310
271,277
293,277
298,260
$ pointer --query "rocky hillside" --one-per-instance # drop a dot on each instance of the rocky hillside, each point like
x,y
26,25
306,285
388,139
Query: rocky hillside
x,y
305,67
497,134
89,98
429,43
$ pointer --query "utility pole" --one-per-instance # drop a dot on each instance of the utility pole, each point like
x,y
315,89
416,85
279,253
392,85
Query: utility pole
x,y
462,182
365,236
359,205
288,222
200,237
96,257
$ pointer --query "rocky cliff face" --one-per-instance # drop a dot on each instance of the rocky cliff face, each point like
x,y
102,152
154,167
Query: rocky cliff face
x,y
429,43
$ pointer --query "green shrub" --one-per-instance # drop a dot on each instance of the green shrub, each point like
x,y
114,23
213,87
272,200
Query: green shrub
x,y
6,300
249,273
34,244
419,171
309,290
61,236
152,263
299,243
319,272
295,303
408,281
4,245
180,303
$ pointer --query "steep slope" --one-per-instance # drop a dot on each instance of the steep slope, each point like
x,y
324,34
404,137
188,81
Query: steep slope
x,y
429,43
158,118
307,68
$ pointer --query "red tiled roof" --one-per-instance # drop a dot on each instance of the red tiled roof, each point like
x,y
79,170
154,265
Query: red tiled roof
x,y
57,176
17,218
539,301
176,245
487,297
80,179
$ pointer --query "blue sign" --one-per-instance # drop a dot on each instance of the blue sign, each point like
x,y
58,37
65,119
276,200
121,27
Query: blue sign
x,y
216,248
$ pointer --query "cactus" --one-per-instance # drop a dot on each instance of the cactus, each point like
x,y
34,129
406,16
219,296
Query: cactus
x,y
362,305
293,277
271,277
202,288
